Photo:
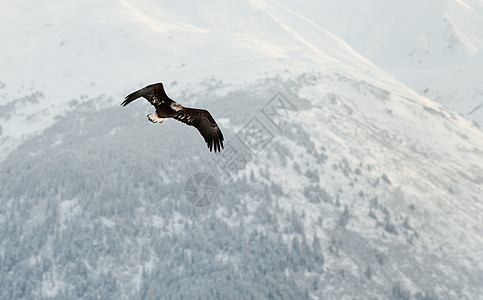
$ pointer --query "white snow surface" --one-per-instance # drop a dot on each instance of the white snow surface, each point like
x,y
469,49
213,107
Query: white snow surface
x,y
433,46
91,48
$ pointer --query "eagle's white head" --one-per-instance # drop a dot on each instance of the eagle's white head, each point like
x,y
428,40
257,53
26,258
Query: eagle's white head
x,y
176,106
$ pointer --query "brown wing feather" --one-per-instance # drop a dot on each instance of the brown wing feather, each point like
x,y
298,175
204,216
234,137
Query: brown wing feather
x,y
206,125
154,93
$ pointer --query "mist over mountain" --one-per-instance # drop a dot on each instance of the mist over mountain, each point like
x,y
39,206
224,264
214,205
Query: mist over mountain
x,y
340,176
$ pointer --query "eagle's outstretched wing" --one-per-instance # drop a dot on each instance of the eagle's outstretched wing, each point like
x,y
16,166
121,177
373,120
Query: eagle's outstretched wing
x,y
154,93
206,125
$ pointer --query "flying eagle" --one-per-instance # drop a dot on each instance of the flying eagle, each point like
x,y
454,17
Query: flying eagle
x,y
168,108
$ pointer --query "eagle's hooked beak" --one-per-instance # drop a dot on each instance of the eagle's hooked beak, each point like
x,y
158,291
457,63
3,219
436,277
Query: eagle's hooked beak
x,y
181,107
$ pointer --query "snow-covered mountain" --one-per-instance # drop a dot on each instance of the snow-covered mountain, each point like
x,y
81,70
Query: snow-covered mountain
x,y
353,185
435,47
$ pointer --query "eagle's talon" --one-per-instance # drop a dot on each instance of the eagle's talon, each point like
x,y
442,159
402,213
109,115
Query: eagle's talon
x,y
154,118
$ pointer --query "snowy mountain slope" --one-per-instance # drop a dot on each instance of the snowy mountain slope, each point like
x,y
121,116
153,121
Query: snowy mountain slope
x,y
370,190
432,46
84,50
342,202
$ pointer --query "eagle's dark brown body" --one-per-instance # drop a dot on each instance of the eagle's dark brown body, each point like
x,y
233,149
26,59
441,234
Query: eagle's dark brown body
x,y
166,111
168,108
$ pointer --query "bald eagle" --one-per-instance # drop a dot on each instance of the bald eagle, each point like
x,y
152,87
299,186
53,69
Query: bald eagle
x,y
168,108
